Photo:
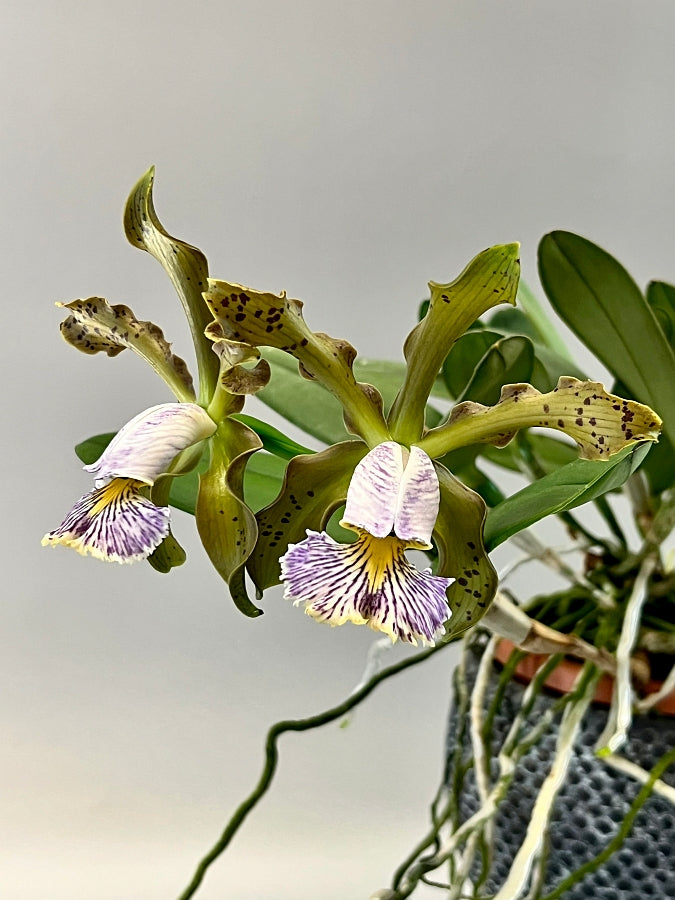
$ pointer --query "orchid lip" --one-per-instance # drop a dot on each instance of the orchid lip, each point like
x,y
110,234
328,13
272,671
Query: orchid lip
x,y
117,521
392,505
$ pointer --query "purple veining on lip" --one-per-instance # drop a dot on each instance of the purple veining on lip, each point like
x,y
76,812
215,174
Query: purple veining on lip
x,y
124,528
333,582
146,446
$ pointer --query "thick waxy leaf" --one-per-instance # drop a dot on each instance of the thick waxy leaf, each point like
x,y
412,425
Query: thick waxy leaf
x,y
461,554
661,298
601,303
273,440
94,326
309,406
489,279
574,484
600,423
185,265
313,488
268,320
226,525
507,361
546,334
461,361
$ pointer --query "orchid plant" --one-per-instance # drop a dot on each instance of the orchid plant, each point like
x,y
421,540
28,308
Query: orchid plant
x,y
335,526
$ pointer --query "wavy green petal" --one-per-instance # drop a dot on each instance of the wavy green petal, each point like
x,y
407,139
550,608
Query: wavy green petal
x,y
314,487
94,326
461,553
601,423
185,265
489,279
226,525
268,320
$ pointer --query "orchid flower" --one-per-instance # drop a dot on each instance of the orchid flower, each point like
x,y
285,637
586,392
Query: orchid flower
x,y
117,521
126,517
398,492
392,505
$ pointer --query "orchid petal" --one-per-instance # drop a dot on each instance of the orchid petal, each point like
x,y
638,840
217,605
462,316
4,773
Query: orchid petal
x,y
367,582
146,446
599,422
269,320
226,525
94,326
114,523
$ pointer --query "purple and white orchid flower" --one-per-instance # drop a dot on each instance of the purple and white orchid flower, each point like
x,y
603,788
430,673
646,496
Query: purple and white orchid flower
x,y
392,505
117,521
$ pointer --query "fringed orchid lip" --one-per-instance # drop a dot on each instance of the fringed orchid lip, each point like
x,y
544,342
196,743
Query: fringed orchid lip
x,y
392,505
117,521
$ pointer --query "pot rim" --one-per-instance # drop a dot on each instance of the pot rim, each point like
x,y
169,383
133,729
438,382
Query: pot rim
x,y
564,675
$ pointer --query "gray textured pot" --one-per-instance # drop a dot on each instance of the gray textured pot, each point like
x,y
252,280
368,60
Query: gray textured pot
x,y
588,809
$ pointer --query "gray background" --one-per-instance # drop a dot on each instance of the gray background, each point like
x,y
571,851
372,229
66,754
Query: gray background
x,y
347,152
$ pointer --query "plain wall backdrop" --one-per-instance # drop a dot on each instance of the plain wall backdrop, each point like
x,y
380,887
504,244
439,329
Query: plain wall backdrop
x,y
347,152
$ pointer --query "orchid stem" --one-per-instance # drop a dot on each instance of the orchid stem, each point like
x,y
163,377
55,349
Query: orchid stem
x,y
272,758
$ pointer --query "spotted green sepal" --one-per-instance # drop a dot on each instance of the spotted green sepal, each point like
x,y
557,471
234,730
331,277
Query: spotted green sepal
x,y
226,525
168,555
94,326
270,320
601,423
314,487
461,553
185,265
489,279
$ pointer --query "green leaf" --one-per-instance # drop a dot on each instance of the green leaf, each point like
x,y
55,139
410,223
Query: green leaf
x,y
508,361
546,333
601,303
460,363
186,267
661,298
576,483
273,440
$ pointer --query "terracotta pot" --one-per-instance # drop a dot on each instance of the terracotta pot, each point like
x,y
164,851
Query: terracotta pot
x,y
562,678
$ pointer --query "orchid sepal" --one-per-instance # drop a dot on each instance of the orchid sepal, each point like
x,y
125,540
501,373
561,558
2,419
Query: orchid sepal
x,y
186,267
599,422
489,279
